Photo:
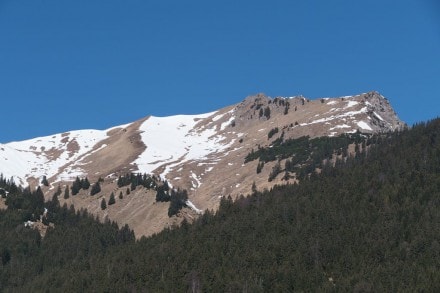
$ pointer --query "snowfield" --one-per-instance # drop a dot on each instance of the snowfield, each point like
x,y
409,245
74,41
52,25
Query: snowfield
x,y
176,139
30,161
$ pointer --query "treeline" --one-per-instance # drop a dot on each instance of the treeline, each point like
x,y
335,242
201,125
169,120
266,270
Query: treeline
x,y
164,193
176,197
303,155
135,180
370,224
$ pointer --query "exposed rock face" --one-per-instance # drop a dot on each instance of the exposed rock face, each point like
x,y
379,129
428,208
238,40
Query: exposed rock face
x,y
201,153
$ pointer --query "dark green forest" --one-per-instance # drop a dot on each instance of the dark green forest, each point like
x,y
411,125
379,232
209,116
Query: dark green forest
x,y
369,224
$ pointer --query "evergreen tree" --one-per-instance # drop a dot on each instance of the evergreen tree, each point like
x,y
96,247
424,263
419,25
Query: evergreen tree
x,y
39,197
162,194
85,184
254,187
76,186
103,204
55,200
260,167
120,195
275,171
66,192
267,112
177,201
44,181
111,200
58,191
96,188
120,181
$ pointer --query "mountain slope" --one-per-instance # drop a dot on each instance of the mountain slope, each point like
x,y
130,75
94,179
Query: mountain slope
x,y
201,153
370,224
163,144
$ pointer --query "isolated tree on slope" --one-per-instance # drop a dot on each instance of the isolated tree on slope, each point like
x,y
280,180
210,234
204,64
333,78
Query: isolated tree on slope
x,y
103,204
66,193
44,181
111,200
96,188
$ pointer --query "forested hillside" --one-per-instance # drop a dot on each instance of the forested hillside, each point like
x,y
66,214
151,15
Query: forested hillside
x,y
369,224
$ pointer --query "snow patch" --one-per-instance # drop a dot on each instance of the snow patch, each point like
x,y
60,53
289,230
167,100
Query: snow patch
x,y
364,125
197,182
193,207
351,104
227,123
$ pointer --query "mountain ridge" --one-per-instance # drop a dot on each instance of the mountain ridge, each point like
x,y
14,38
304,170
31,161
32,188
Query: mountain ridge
x,y
203,154
82,143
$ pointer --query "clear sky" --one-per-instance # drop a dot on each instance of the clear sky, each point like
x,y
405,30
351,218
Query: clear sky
x,y
68,65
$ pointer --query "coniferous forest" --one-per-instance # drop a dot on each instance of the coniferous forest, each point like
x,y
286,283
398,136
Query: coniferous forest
x,y
368,224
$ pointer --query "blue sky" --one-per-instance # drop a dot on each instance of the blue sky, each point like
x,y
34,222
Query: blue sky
x,y
68,65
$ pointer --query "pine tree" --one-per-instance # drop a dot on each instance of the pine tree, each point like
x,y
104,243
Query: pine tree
x,y
39,196
111,200
177,201
267,112
162,194
55,200
260,167
85,184
44,181
58,192
103,204
76,186
254,187
127,191
66,193
96,188
120,195
133,186
275,171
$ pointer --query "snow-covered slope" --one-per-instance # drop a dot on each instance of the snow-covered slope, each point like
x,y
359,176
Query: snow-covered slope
x,y
177,140
47,155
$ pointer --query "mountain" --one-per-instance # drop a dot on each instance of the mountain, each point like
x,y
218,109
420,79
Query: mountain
x,y
204,154
370,223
